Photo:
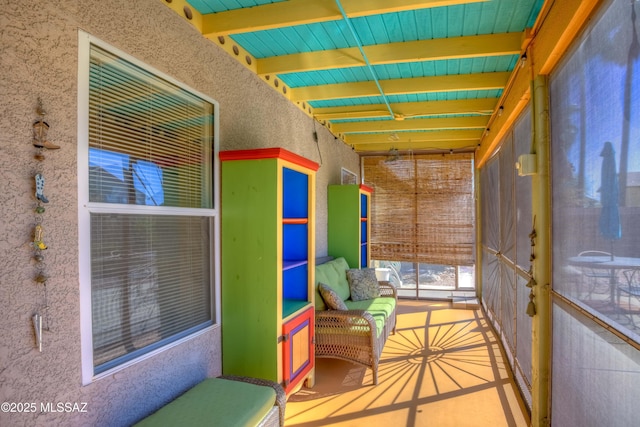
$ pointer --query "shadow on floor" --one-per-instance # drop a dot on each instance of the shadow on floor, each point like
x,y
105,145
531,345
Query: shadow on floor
x,y
443,367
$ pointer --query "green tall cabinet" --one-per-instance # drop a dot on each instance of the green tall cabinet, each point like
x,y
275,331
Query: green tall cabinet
x,y
268,265
349,225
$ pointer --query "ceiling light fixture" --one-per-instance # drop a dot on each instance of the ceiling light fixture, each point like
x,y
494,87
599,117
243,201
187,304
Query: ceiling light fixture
x,y
394,155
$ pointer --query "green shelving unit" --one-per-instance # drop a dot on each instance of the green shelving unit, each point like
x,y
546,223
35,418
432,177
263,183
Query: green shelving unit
x,y
349,226
268,264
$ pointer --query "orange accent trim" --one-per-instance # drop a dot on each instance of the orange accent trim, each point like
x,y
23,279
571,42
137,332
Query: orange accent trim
x,y
366,188
295,220
269,153
363,219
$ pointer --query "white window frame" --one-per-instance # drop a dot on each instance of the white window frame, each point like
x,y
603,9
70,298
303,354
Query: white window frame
x,y
348,177
85,208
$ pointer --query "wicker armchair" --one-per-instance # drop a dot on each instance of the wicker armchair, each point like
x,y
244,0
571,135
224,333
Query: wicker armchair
x,y
352,335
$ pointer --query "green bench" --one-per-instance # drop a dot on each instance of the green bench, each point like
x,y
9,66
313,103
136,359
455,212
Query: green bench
x,y
227,401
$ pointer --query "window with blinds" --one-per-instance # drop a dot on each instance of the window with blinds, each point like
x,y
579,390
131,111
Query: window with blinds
x,y
422,208
149,208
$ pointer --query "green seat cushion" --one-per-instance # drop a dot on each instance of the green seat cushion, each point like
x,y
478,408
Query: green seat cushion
x,y
380,308
321,277
341,286
328,274
334,274
216,402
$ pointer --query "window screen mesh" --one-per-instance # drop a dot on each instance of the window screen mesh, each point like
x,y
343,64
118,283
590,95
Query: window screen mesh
x,y
505,204
595,134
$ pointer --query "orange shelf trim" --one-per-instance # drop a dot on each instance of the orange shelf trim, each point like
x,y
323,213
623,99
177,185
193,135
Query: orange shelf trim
x,y
269,153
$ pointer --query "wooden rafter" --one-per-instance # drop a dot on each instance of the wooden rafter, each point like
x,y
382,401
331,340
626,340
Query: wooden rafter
x,y
396,137
413,51
299,12
417,146
408,109
480,81
472,122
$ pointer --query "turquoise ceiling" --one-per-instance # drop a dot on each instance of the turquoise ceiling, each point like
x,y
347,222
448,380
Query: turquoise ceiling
x,y
436,20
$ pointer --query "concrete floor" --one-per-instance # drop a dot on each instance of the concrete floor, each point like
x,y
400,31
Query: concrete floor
x,y
443,367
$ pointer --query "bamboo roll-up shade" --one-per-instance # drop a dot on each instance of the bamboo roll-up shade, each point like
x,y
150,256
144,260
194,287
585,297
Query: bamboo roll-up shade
x,y
393,222
422,208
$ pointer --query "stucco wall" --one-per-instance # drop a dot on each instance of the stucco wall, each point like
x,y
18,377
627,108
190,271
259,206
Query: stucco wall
x,y
39,59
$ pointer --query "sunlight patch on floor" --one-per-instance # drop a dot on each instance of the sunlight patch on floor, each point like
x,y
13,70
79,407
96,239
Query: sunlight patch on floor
x,y
443,367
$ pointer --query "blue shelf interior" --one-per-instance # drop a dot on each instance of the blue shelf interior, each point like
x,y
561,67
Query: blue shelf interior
x,y
295,283
364,219
295,194
295,241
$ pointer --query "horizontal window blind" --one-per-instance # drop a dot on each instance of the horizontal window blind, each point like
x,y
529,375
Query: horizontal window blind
x,y
150,143
422,208
149,278
149,132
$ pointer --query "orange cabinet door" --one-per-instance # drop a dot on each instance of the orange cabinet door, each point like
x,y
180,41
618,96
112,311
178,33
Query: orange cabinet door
x,y
298,351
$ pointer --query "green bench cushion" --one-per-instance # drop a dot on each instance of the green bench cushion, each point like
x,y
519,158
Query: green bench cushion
x,y
341,286
380,308
334,274
321,277
216,402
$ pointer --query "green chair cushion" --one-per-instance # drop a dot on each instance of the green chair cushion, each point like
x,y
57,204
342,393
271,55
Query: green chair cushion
x,y
329,274
341,286
321,277
380,308
215,402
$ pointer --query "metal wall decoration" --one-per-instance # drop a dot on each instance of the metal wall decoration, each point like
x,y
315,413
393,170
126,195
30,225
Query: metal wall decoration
x,y
531,307
41,143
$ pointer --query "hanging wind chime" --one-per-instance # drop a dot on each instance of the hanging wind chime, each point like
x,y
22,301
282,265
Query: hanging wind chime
x,y
40,141
531,307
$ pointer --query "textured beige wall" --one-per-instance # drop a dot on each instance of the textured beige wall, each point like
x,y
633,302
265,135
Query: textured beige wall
x,y
39,58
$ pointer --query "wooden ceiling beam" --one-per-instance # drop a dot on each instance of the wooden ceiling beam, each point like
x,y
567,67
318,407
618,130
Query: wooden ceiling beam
x,y
412,51
412,146
408,109
397,137
299,12
451,83
470,122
